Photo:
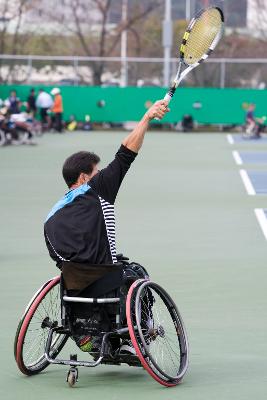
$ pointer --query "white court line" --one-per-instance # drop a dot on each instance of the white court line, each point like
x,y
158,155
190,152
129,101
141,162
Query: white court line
x,y
247,182
261,217
237,157
230,139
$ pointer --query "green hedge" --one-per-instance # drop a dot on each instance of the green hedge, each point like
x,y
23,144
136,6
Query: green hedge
x,y
217,106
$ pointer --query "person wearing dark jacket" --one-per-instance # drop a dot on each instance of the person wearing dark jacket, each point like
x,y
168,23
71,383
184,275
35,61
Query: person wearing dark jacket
x,y
80,229
31,103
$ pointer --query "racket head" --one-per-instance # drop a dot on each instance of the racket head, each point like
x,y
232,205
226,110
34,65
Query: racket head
x,y
202,36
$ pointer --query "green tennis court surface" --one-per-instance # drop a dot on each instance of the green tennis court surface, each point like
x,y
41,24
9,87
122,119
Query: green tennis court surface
x,y
183,213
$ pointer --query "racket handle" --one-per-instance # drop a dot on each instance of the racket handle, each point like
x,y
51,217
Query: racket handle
x,y
170,94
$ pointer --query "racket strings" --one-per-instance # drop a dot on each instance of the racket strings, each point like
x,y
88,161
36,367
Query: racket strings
x,y
202,35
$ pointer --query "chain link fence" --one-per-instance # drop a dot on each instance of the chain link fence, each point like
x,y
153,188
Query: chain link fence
x,y
51,70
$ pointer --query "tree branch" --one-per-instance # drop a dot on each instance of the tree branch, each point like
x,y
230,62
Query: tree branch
x,y
129,23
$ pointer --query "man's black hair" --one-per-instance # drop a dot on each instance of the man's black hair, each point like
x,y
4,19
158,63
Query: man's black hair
x,y
77,163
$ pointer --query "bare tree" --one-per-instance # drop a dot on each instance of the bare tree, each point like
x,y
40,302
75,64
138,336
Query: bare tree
x,y
97,36
11,12
257,18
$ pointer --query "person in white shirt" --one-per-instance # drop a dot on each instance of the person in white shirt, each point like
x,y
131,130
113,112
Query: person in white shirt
x,y
44,102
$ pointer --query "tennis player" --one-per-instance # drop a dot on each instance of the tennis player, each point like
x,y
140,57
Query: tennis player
x,y
80,229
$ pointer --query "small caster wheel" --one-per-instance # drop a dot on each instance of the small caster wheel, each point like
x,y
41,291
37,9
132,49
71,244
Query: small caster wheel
x,y
72,376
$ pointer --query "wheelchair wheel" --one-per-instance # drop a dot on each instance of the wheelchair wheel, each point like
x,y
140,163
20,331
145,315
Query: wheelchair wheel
x,y
157,332
32,332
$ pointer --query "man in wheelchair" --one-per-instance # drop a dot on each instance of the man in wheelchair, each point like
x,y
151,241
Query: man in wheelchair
x,y
80,234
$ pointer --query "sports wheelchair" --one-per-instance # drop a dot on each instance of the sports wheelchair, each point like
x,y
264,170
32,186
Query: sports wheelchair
x,y
139,311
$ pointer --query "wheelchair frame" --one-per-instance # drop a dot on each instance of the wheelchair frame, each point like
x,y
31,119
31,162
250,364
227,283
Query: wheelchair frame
x,y
73,361
133,331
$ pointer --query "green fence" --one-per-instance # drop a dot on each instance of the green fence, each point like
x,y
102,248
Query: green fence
x,y
208,106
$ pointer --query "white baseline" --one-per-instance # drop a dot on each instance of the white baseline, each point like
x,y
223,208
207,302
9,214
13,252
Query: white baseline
x,y
261,217
237,157
230,139
247,182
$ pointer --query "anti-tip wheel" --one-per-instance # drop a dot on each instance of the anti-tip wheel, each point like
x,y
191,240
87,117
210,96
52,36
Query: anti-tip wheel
x,y
72,377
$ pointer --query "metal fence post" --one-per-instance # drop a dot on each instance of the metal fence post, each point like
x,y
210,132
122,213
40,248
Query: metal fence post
x,y
76,66
167,42
222,74
124,39
29,72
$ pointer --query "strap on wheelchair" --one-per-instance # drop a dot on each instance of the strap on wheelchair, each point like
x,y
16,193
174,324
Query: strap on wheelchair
x,y
78,276
112,280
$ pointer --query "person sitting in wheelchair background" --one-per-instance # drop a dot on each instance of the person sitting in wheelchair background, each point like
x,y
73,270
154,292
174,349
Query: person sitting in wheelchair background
x,y
80,230
253,126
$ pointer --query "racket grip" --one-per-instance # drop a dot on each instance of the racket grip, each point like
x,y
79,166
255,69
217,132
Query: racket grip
x,y
170,94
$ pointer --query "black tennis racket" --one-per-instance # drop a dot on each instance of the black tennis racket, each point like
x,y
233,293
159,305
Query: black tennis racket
x,y
200,39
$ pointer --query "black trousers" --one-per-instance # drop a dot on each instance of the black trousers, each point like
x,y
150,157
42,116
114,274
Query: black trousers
x,y
58,122
43,114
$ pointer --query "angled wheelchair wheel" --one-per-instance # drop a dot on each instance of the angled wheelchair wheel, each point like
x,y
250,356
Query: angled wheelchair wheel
x,y
43,310
157,332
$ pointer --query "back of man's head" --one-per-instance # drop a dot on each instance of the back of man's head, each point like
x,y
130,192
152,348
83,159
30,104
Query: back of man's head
x,y
77,163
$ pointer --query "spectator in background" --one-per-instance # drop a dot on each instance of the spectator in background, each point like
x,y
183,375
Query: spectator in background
x,y
254,126
187,123
44,101
31,103
250,118
71,124
57,109
13,103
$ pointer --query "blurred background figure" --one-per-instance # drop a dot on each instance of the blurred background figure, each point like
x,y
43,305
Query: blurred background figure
x,y
87,126
57,110
72,124
44,102
31,103
13,103
187,123
253,126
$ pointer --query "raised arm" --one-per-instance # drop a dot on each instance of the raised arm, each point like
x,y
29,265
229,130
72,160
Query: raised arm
x,y
107,181
135,139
